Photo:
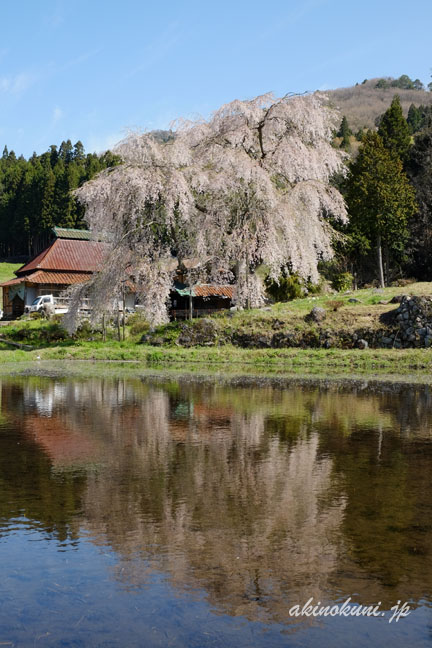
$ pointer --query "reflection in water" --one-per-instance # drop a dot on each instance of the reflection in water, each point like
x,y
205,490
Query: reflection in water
x,y
260,497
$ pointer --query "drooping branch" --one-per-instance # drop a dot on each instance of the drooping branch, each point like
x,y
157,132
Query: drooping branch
x,y
252,181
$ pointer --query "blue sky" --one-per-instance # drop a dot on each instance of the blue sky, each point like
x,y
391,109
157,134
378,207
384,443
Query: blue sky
x,y
93,69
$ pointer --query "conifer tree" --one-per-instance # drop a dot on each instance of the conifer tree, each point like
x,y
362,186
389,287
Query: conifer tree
x,y
345,132
414,118
380,198
419,169
394,130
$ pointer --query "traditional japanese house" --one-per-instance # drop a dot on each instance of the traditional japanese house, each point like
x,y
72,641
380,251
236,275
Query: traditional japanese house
x,y
71,258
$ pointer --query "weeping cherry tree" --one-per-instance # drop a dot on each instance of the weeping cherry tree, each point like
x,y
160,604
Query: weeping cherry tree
x,y
248,188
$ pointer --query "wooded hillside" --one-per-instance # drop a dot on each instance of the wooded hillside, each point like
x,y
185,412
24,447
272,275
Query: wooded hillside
x,y
362,104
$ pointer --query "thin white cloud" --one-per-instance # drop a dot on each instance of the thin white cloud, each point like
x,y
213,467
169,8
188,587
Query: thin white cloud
x,y
57,114
18,84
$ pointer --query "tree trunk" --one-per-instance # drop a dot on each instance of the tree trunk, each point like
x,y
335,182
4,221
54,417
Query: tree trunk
x,y
380,263
387,264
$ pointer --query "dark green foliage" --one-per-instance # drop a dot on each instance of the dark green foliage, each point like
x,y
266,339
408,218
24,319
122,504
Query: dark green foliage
x,y
288,288
36,194
38,336
380,200
419,169
343,281
414,118
394,130
403,82
419,118
344,128
383,84
138,324
345,132
359,135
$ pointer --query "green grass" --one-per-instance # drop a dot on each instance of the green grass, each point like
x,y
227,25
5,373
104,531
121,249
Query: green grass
x,y
290,316
370,361
44,336
7,272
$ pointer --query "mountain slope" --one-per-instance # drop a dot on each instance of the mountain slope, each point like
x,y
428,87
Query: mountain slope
x,y
363,103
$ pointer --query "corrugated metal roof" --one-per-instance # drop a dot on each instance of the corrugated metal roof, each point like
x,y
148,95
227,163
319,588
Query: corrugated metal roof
x,y
68,255
206,290
67,233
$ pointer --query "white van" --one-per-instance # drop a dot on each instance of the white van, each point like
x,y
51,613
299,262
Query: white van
x,y
40,302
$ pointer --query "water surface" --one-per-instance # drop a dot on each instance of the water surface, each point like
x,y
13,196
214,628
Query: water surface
x,y
146,512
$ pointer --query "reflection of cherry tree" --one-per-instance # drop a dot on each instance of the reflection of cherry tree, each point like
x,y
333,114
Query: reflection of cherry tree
x,y
250,186
239,515
260,496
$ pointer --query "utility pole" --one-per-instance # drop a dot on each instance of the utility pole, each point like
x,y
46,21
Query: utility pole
x,y
124,310
118,320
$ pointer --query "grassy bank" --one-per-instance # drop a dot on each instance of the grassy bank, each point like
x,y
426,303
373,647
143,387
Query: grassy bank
x,y
50,342
369,361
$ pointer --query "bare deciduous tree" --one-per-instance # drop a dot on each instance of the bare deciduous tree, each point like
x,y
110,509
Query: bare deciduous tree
x,y
248,187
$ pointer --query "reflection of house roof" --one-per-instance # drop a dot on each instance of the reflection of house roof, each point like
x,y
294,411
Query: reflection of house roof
x,y
205,290
63,445
42,277
67,255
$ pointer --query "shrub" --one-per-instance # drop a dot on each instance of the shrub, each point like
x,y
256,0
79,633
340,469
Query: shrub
x,y
286,289
138,324
402,282
36,315
342,281
317,288
53,333
335,304
84,329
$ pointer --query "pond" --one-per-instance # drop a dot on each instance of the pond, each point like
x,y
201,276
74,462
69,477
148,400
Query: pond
x,y
157,511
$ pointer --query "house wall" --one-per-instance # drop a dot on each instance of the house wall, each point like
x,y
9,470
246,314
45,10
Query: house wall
x,y
29,295
130,300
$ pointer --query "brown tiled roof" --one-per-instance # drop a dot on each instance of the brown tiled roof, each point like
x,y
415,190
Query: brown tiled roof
x,y
12,282
68,255
42,277
206,290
